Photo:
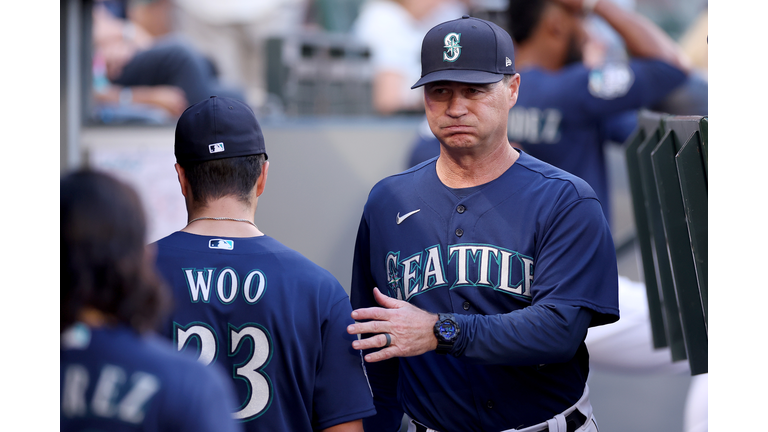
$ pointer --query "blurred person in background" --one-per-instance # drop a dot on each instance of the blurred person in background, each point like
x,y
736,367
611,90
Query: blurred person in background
x,y
393,30
233,34
143,73
115,373
573,108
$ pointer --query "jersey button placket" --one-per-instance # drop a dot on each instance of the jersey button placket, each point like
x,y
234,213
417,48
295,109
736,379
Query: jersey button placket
x,y
460,209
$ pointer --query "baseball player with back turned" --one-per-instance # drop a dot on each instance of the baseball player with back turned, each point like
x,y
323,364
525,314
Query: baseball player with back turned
x,y
243,301
477,274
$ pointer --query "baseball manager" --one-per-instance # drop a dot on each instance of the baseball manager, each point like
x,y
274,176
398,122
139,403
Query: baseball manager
x,y
478,272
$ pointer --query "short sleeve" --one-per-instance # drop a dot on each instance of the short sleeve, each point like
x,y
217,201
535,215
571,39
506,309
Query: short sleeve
x,y
618,87
342,392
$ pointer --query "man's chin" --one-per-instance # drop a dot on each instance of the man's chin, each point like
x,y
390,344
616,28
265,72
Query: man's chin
x,y
458,140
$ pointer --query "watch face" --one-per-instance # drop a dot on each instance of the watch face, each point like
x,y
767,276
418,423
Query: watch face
x,y
447,330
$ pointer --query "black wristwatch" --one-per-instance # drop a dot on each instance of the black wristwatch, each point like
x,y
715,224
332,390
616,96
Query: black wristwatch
x,y
446,331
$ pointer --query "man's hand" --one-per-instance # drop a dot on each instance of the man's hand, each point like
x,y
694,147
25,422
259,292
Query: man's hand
x,y
410,329
642,37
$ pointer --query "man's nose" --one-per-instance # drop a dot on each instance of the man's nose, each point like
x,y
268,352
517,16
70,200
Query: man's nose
x,y
457,105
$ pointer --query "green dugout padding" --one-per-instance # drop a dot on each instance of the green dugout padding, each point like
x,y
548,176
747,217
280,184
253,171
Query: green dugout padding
x,y
660,257
649,129
691,164
667,169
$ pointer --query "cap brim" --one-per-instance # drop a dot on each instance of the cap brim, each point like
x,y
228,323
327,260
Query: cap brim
x,y
459,75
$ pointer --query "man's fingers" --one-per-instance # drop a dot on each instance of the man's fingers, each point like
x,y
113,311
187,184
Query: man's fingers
x,y
405,324
367,327
385,300
377,313
373,313
380,355
376,341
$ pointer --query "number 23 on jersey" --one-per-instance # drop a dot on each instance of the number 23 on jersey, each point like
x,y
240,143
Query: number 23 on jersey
x,y
250,371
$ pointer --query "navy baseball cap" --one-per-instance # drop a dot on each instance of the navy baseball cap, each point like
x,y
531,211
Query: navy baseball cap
x,y
467,50
217,128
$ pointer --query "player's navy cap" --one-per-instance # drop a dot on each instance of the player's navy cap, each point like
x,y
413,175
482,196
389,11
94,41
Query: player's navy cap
x,y
217,128
467,50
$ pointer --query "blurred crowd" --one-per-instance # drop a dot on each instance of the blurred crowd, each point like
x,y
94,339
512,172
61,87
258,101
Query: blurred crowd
x,y
153,58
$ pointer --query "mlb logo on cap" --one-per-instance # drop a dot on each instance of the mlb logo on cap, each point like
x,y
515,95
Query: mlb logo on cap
x,y
468,50
216,148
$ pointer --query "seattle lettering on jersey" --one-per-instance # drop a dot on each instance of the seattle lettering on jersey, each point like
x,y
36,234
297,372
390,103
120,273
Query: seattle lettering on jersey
x,y
227,285
477,265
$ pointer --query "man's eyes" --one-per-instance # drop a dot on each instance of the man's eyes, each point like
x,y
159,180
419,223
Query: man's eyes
x,y
437,91
466,90
474,89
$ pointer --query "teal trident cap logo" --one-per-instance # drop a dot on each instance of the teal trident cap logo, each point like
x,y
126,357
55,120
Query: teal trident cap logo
x,y
452,47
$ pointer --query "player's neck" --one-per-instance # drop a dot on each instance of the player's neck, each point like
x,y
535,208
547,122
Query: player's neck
x,y
468,170
94,318
226,217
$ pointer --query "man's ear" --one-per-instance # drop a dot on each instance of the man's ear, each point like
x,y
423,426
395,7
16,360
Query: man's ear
x,y
514,88
183,182
261,182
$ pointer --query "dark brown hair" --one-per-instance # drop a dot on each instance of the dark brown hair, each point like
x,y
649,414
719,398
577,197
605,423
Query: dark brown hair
x,y
523,16
104,260
214,179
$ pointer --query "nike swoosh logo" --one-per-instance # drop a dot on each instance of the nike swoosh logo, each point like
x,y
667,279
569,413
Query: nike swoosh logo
x,y
400,219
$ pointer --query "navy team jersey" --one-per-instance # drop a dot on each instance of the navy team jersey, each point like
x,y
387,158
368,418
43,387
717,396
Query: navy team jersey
x,y
113,379
565,118
275,321
535,238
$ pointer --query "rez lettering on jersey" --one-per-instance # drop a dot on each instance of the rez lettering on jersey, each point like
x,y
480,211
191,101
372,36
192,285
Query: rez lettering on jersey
x,y
227,285
534,126
477,265
114,395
